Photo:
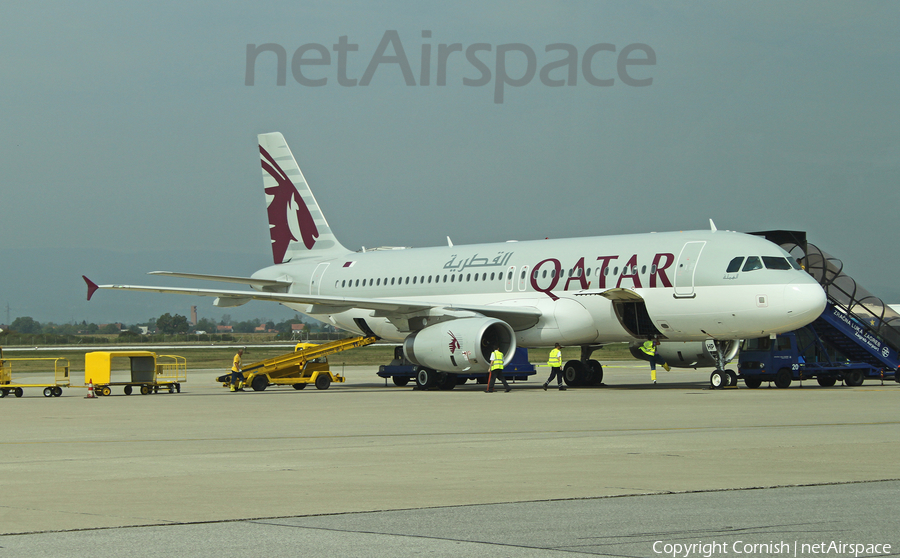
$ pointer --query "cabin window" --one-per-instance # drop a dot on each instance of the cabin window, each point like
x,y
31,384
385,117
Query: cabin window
x,y
429,279
552,273
414,280
524,271
509,276
644,270
392,280
752,264
343,284
476,277
773,262
492,276
653,269
587,272
378,282
616,270
735,265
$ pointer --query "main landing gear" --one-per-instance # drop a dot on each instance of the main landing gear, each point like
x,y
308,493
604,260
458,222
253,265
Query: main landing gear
x,y
584,372
721,378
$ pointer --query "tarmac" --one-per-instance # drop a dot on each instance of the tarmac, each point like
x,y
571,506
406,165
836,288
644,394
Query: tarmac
x,y
366,468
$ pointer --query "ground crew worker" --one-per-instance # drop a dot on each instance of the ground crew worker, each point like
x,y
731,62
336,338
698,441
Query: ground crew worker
x,y
555,364
649,348
496,370
237,377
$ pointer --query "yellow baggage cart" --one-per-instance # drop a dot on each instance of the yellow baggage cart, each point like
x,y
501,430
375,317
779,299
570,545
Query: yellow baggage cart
x,y
144,370
60,376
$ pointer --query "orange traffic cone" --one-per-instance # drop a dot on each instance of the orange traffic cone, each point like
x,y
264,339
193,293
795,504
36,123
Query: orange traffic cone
x,y
90,394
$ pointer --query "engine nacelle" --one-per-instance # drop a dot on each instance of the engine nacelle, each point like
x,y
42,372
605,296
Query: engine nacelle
x,y
460,345
689,354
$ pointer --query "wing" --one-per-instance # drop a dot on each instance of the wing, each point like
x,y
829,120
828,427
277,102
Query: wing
x,y
519,317
264,284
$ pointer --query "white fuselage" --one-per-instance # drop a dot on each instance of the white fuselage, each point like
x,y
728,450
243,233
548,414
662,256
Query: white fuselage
x,y
681,278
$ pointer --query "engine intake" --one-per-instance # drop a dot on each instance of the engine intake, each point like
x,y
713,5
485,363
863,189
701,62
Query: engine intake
x,y
461,345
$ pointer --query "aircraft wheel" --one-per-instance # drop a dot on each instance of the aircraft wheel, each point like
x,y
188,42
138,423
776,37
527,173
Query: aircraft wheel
x,y
574,373
732,377
826,381
753,382
783,378
18,392
447,381
596,372
48,392
718,379
260,383
128,390
854,378
426,378
323,381
299,386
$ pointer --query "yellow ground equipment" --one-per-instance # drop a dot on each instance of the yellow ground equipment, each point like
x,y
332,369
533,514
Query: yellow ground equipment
x,y
146,371
306,365
60,376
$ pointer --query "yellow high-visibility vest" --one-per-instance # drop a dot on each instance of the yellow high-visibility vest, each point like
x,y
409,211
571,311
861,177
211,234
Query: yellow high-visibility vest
x,y
555,358
648,348
497,360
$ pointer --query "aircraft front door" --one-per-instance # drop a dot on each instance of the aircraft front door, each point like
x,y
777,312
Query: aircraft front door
x,y
685,268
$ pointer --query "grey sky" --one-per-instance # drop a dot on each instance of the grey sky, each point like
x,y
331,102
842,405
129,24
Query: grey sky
x,y
128,141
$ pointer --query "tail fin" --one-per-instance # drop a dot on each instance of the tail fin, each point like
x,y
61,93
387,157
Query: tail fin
x,y
296,223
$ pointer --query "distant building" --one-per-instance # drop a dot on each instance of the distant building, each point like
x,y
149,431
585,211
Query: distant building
x,y
224,329
193,315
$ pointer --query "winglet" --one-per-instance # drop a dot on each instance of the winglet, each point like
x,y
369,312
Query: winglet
x,y
712,226
92,287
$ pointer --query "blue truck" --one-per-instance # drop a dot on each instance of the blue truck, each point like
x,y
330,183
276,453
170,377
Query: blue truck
x,y
402,371
798,356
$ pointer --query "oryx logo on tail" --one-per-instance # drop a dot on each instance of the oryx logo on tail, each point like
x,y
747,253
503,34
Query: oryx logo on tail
x,y
286,205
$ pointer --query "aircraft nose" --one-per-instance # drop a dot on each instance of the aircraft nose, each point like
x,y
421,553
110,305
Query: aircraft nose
x,y
805,300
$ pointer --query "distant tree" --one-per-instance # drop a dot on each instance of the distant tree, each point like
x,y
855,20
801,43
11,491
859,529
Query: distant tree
x,y
270,325
226,319
134,329
172,324
26,325
109,329
205,324
92,328
246,327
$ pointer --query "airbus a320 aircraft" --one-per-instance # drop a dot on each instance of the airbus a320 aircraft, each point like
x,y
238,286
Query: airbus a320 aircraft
x,y
451,305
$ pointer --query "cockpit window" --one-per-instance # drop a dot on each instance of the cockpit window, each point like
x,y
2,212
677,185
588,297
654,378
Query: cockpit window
x,y
773,262
735,265
753,263
794,263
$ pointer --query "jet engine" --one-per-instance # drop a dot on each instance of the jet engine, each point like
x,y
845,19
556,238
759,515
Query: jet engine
x,y
460,345
690,354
